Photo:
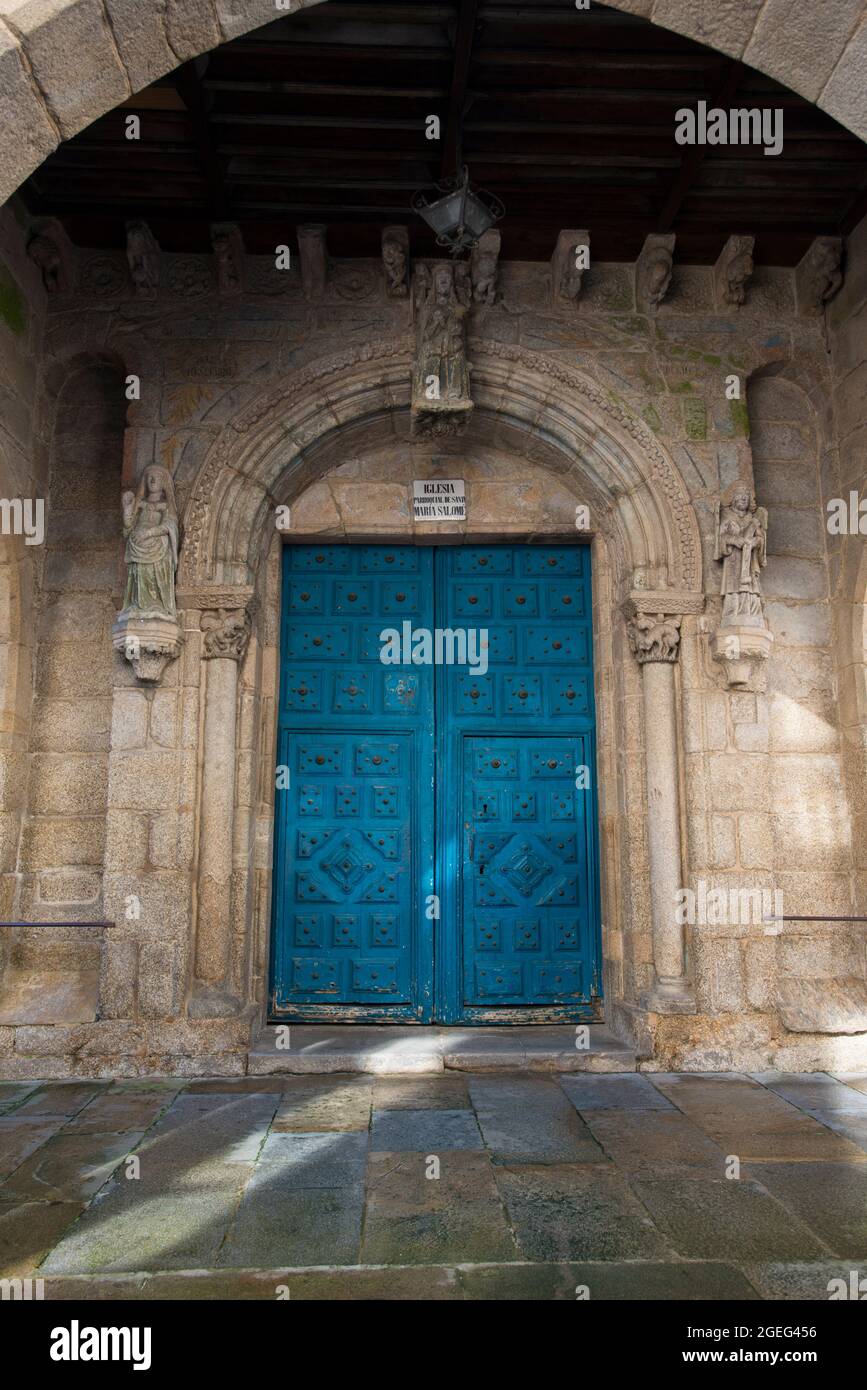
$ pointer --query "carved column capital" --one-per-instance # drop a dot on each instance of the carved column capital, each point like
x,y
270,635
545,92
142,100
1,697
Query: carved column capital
x,y
653,618
226,632
654,636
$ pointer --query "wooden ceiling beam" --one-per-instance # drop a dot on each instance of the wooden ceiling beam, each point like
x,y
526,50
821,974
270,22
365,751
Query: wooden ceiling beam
x,y
188,81
724,91
453,135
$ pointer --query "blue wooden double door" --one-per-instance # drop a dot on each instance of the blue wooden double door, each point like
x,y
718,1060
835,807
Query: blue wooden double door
x,y
435,823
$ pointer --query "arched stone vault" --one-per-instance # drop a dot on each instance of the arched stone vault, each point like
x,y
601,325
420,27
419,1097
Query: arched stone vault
x,y
539,408
122,47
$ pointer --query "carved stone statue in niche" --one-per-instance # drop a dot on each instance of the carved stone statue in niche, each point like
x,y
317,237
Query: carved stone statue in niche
x,y
441,400
741,545
143,255
147,631
150,525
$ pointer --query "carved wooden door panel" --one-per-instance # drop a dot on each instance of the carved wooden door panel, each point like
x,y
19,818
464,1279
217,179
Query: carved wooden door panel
x,y
434,857
354,825
517,856
527,889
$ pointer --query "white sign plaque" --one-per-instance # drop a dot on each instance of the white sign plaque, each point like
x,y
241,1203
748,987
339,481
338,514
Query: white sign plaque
x,y
439,499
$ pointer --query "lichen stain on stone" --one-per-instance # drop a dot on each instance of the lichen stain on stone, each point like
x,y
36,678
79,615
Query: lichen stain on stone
x,y
695,418
740,417
12,311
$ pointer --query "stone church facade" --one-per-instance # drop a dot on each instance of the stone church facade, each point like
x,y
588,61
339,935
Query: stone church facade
x,y
631,406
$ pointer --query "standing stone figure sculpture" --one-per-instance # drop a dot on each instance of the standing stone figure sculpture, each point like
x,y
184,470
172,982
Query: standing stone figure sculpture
x,y
441,400
150,527
143,255
741,545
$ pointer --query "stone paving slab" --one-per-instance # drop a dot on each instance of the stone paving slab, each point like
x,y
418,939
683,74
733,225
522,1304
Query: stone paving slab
x,y
725,1220
635,1280
20,1138
313,1105
817,1280
621,1092
125,1229
13,1092
655,1142
415,1218
69,1167
435,1282
295,1161
432,1130
750,1121
440,1092
29,1230
857,1080
63,1098
311,1226
563,1212
830,1198
201,1132
839,1107
515,1185
527,1119
114,1112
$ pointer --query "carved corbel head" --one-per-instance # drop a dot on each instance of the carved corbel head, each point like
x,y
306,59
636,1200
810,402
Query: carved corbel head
x,y
733,270
653,271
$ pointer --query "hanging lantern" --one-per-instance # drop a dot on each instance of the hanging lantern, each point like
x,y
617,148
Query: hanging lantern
x,y
461,215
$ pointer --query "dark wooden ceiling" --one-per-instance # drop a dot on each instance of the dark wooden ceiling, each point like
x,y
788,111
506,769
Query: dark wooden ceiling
x,y
567,115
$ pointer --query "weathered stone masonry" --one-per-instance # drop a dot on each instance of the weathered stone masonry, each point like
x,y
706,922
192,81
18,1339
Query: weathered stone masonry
x,y
269,397
148,806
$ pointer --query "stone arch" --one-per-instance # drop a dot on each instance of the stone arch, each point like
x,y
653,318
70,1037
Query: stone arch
x,y
541,408
348,405
121,48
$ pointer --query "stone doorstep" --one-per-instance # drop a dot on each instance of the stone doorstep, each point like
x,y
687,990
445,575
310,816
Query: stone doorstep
x,y
322,1048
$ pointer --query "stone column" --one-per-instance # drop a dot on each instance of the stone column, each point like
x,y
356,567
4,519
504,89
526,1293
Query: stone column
x,y
226,633
655,642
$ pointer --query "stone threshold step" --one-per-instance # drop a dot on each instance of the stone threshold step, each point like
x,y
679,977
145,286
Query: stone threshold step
x,y
325,1048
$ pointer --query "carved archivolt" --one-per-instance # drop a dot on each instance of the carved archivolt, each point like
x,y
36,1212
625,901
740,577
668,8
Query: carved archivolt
x,y
319,397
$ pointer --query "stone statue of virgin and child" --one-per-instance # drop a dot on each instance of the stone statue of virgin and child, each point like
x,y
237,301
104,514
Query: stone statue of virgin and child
x,y
150,528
